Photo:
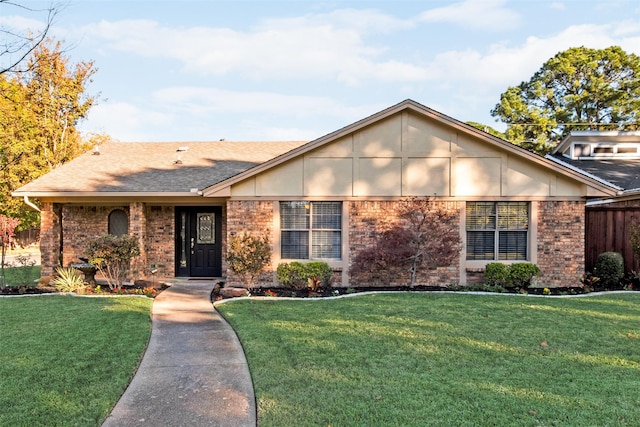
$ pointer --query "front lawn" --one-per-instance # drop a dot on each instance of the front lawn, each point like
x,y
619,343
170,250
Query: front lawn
x,y
21,276
421,359
66,360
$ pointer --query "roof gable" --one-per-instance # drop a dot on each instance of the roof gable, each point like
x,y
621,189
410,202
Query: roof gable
x,y
409,149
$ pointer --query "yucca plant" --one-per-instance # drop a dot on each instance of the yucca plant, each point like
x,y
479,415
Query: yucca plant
x,y
69,279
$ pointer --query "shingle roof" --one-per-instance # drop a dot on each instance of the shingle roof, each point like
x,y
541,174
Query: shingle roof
x,y
623,173
148,167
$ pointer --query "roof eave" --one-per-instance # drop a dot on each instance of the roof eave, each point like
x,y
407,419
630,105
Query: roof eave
x,y
113,194
604,185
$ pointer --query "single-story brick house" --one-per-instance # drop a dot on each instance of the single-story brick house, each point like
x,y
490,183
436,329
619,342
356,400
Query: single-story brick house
x,y
323,199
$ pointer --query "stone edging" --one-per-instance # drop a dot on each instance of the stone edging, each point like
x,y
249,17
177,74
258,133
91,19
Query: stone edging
x,y
263,298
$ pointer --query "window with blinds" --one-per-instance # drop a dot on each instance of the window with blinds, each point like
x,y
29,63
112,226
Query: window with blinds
x,y
311,230
497,230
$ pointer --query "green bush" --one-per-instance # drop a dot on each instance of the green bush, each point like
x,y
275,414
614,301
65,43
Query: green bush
x,y
68,279
610,269
517,275
297,275
497,274
521,274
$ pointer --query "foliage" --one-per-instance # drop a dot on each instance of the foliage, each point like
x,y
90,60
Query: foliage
x,y
589,281
7,231
522,273
68,279
426,236
148,291
248,255
634,237
609,267
517,275
22,276
66,361
386,258
578,89
497,274
390,351
298,275
40,109
112,256
487,129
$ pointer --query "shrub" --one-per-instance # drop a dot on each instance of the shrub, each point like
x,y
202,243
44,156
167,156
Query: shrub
x,y
497,274
68,279
426,235
319,275
290,274
517,275
609,268
112,256
248,255
522,273
297,275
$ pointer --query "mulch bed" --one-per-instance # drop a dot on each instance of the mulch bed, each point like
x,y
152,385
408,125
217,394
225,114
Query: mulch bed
x,y
104,290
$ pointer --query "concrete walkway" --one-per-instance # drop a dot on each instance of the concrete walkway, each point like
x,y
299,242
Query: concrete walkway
x,y
193,372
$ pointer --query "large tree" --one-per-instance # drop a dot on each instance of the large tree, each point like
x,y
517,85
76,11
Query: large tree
x,y
17,43
40,109
578,89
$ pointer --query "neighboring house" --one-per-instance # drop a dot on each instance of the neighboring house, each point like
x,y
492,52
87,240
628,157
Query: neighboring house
x,y
614,158
325,199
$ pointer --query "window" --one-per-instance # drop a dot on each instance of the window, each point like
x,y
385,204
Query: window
x,y
311,230
497,230
118,223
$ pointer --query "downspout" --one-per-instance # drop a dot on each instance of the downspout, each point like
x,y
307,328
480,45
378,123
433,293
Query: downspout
x,y
30,204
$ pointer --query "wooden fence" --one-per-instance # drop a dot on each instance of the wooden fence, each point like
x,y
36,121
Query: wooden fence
x,y
607,229
27,237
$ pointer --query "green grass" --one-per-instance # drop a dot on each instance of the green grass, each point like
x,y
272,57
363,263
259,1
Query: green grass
x,y
426,359
19,276
64,360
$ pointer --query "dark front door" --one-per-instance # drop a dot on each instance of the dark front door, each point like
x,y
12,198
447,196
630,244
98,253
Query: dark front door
x,y
198,241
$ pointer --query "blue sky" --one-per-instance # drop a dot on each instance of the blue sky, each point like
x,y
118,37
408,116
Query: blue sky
x,y
297,70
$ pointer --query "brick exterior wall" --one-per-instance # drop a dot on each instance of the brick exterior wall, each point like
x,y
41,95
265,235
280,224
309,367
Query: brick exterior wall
x,y
154,225
253,217
49,238
560,234
80,224
561,238
367,219
160,240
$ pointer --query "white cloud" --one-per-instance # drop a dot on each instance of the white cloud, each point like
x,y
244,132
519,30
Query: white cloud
x,y
125,121
478,14
204,101
328,46
21,23
503,65
362,20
